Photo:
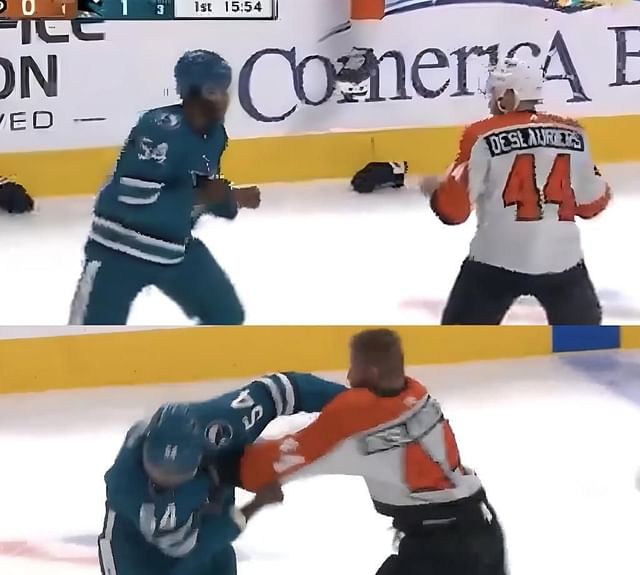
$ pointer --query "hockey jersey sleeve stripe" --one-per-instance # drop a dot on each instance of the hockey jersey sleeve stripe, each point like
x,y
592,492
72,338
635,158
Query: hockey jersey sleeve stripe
x,y
137,183
137,201
289,394
282,392
276,395
345,417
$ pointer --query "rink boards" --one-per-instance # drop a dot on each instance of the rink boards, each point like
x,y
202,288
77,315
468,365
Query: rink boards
x,y
39,359
296,158
288,120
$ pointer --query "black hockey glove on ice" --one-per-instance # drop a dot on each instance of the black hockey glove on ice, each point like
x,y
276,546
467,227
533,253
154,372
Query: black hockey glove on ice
x,y
14,198
379,175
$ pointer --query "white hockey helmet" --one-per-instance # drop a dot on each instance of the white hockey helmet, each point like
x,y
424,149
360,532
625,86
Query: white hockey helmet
x,y
512,74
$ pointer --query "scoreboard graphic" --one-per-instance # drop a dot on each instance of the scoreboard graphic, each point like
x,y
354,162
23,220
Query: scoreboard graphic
x,y
139,9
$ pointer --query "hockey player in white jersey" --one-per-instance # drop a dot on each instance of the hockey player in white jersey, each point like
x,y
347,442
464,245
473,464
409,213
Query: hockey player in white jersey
x,y
389,430
529,175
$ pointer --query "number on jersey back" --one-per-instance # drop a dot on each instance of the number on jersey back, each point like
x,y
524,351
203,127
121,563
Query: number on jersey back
x,y
522,191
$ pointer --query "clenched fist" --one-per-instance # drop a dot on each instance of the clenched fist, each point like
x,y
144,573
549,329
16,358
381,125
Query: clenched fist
x,y
247,197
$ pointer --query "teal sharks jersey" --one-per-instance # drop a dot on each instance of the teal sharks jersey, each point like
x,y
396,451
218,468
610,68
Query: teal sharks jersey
x,y
148,207
196,520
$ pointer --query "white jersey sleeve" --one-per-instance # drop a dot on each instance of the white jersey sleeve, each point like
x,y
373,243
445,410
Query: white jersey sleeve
x,y
591,190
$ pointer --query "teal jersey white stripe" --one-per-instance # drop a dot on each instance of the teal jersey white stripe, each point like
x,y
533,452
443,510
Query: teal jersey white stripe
x,y
122,239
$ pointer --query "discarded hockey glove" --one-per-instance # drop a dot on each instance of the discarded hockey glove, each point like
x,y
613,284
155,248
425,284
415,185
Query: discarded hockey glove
x,y
377,175
14,197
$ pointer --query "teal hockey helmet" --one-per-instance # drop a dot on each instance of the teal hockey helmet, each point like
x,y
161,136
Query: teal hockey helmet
x,y
200,72
174,445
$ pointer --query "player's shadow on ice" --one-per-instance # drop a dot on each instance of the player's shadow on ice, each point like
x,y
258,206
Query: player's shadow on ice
x,y
619,372
82,540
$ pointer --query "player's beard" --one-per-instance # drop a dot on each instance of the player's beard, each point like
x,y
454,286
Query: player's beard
x,y
216,106
215,113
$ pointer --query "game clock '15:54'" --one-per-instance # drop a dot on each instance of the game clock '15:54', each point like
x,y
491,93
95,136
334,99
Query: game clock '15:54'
x,y
226,9
233,9
248,6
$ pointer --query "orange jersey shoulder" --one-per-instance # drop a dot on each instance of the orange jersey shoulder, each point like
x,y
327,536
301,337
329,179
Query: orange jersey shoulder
x,y
492,123
451,202
349,414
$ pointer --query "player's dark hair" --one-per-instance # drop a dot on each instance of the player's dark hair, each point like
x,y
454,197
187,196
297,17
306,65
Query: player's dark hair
x,y
194,93
382,349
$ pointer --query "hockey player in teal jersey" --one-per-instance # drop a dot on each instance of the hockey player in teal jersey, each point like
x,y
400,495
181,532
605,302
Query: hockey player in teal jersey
x,y
170,509
166,178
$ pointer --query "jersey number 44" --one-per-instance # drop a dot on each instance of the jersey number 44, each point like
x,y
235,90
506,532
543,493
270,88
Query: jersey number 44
x,y
522,191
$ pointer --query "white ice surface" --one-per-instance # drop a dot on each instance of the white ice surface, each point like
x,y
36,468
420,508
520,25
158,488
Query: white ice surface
x,y
557,452
314,253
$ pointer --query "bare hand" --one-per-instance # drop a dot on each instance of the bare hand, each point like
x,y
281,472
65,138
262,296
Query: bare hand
x,y
269,495
429,185
266,496
248,197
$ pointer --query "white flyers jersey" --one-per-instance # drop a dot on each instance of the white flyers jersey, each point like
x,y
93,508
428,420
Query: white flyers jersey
x,y
529,175
402,446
